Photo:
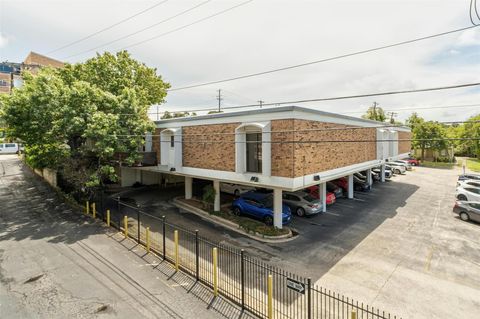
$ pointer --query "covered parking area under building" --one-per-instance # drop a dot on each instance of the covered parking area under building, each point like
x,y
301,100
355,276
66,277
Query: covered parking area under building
x,y
152,175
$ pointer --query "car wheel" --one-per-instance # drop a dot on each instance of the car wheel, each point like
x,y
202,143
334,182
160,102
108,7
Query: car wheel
x,y
236,193
464,216
300,212
462,197
397,171
237,211
268,220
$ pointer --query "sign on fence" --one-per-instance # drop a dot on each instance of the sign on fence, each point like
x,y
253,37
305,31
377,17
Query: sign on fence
x,y
296,285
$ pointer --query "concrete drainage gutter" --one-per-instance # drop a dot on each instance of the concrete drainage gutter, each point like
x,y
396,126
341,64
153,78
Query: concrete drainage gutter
x,y
231,225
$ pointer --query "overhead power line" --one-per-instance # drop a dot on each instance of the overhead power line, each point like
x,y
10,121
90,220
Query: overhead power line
x,y
323,60
419,108
107,28
290,131
345,97
141,30
350,112
186,25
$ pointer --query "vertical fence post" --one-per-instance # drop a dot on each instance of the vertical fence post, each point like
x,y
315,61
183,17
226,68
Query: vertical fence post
x,y
94,210
197,257
309,298
270,297
163,226
138,225
125,225
119,212
242,276
215,273
175,238
147,238
108,217
353,314
87,207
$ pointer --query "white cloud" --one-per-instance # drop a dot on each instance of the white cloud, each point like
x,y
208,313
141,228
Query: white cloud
x,y
267,34
3,40
469,37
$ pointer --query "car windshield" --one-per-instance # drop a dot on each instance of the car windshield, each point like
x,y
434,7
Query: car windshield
x,y
267,201
309,198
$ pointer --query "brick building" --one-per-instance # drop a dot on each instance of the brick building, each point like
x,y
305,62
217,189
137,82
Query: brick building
x,y
284,149
10,72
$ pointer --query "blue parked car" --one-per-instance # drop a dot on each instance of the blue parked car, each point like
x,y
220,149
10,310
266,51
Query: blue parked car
x,y
259,206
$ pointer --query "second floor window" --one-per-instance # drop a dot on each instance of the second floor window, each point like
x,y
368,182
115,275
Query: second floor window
x,y
254,152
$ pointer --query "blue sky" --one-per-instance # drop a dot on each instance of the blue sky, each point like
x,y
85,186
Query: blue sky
x,y
266,34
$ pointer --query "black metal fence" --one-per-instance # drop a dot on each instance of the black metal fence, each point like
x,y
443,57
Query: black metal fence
x,y
242,279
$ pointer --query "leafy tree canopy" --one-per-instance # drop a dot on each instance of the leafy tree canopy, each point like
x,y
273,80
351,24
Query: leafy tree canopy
x,y
83,114
375,113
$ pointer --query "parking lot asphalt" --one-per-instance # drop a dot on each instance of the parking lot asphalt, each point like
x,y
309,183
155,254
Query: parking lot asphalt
x,y
398,247
56,262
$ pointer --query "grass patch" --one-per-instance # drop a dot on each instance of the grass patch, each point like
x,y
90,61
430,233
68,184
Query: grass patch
x,y
248,224
438,164
473,164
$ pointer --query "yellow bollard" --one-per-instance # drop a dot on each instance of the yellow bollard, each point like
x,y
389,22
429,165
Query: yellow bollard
x,y
87,207
354,315
94,211
108,217
147,238
175,237
215,273
125,225
270,297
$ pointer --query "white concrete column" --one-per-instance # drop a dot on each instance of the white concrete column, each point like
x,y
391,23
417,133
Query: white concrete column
x,y
277,208
322,192
216,203
188,187
350,186
382,173
369,177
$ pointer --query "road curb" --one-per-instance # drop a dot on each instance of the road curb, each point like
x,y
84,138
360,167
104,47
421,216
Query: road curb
x,y
231,225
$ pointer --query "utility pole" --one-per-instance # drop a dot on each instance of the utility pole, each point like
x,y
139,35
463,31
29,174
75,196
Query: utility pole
x,y
219,98
260,102
375,110
392,115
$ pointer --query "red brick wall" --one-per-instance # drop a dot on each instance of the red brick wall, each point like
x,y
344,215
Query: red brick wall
x,y
282,153
336,151
207,150
404,146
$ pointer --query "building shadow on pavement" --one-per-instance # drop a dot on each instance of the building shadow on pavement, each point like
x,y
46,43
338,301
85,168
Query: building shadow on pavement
x,y
32,210
180,279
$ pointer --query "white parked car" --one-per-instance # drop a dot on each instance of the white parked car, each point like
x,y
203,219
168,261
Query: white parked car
x,y
408,166
468,193
235,189
469,183
8,148
397,168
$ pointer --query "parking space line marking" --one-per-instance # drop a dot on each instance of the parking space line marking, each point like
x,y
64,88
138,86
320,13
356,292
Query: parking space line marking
x,y
428,260
332,214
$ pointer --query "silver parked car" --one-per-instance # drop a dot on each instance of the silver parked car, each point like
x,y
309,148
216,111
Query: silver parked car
x,y
397,168
302,203
467,210
408,166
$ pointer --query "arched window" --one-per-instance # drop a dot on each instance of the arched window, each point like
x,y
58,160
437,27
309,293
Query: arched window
x,y
253,148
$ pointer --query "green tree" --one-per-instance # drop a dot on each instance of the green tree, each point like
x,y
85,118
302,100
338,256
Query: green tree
x,y
470,130
375,113
77,118
429,135
171,115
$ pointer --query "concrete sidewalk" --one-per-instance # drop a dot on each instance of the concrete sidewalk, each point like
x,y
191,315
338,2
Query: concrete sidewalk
x,y
56,263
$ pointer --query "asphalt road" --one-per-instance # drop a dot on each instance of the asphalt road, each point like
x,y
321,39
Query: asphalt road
x,y
398,248
56,263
